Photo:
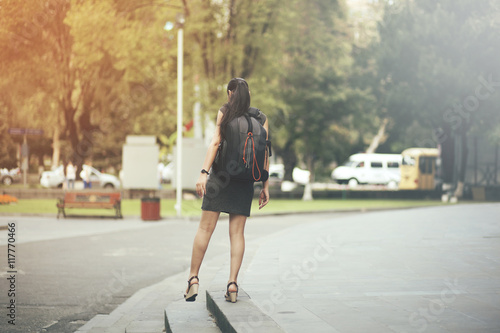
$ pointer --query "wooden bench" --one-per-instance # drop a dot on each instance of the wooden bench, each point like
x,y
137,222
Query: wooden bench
x,y
90,199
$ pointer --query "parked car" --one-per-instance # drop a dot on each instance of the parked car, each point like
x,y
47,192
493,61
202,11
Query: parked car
x,y
8,177
299,175
276,182
369,169
56,178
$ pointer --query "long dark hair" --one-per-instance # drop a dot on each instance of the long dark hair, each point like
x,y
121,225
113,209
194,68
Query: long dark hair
x,y
238,104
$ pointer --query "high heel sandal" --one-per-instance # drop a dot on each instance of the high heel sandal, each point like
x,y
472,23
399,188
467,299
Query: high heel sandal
x,y
231,295
192,291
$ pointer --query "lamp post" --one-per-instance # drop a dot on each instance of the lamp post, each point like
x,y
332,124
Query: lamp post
x,y
180,61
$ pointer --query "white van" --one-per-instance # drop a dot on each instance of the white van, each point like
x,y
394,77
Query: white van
x,y
370,169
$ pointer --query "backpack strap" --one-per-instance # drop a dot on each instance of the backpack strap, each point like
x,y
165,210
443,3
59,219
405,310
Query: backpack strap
x,y
250,127
249,137
254,158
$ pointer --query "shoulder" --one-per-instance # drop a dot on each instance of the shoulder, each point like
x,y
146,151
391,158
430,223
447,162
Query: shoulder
x,y
256,113
223,108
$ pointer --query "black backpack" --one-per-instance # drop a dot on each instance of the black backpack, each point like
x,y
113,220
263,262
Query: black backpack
x,y
242,153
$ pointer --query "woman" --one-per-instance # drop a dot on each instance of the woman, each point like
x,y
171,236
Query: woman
x,y
230,196
70,175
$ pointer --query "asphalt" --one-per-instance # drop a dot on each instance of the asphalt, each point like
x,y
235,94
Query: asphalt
x,y
419,270
430,269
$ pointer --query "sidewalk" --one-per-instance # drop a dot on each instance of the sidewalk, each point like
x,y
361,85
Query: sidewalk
x,y
417,270
429,269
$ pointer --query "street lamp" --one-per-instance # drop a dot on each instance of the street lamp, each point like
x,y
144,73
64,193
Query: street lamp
x,y
180,59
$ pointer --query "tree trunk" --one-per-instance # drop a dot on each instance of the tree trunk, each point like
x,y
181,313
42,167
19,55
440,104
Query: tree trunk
x,y
289,161
378,139
56,149
447,155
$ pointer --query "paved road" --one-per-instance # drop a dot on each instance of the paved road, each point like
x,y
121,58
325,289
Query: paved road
x,y
426,269
432,269
70,270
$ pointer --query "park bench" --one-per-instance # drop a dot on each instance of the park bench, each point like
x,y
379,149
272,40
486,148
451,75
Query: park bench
x,y
90,199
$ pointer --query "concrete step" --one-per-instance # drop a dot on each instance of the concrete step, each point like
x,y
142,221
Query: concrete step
x,y
144,312
161,307
182,316
244,315
145,326
240,317
141,313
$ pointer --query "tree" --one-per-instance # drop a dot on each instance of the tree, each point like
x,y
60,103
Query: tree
x,y
100,70
98,66
226,39
297,60
313,84
22,102
429,67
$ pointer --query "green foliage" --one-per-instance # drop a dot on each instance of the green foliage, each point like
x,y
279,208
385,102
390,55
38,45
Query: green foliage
x,y
91,72
430,57
433,59
112,68
98,72
314,51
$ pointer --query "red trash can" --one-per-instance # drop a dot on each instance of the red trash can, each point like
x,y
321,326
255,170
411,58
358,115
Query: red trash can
x,y
150,209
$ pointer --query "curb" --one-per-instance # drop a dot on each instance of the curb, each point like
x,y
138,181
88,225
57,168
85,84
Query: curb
x,y
182,316
242,316
225,216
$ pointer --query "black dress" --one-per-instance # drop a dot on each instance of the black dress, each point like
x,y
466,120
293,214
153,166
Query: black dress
x,y
229,195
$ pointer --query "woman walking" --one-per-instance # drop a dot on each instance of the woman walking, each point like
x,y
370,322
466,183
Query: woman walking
x,y
227,195
70,176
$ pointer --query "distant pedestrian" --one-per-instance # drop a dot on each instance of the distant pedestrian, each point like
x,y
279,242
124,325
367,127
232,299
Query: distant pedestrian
x,y
70,175
231,196
85,175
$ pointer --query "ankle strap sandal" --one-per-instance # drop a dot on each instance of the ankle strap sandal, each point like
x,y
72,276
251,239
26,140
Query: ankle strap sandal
x,y
192,290
231,296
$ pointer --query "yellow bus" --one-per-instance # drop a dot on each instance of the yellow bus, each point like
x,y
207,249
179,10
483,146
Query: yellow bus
x,y
418,169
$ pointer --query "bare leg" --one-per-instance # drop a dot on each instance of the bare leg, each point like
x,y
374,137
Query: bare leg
x,y
237,237
206,228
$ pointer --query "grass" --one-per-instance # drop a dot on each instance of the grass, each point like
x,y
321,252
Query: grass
x,y
20,186
192,207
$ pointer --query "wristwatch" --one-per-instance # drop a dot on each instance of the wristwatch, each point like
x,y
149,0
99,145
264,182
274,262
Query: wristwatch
x,y
204,171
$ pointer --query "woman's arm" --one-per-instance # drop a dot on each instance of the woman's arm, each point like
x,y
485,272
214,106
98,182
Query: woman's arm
x,y
209,157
